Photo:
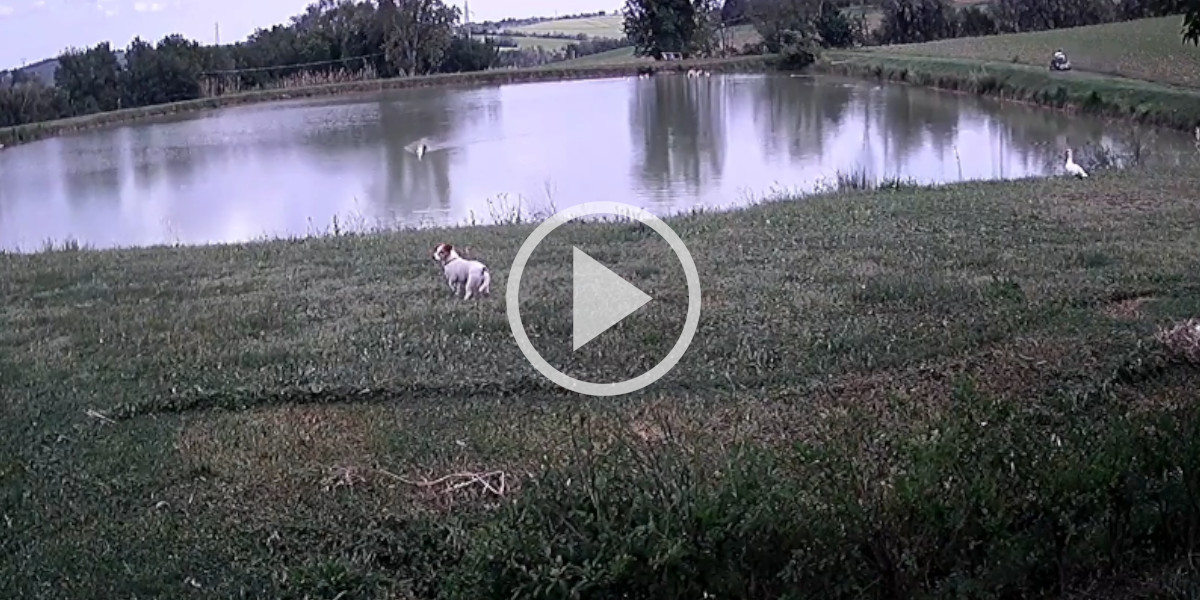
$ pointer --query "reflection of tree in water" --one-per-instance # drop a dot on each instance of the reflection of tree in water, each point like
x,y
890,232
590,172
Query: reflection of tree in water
x,y
799,113
91,168
1033,139
410,185
682,125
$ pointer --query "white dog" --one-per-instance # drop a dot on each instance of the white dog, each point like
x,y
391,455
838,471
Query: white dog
x,y
468,277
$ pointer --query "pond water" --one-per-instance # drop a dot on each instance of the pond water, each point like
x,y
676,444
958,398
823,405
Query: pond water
x,y
667,143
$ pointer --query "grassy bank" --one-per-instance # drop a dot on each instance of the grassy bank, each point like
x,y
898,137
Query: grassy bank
x,y
1146,49
589,70
1095,94
892,393
1134,70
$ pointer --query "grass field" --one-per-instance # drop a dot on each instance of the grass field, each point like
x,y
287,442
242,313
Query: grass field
x,y
912,392
966,65
925,386
609,26
524,42
1147,49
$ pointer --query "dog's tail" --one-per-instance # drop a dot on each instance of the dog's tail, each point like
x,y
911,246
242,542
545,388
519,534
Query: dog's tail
x,y
485,288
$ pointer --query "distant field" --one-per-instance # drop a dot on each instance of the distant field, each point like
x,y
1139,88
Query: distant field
x,y
737,37
612,57
524,42
1148,49
609,26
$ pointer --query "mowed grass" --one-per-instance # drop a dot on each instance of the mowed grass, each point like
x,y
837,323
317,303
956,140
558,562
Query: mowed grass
x,y
608,26
932,386
1146,49
525,42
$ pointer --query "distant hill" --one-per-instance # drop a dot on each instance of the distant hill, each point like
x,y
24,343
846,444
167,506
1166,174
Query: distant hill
x,y
44,69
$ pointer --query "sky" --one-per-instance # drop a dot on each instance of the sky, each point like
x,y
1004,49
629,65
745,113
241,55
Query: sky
x,y
31,30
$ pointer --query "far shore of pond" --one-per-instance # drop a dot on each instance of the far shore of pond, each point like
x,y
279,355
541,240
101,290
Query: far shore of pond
x,y
563,72
1098,94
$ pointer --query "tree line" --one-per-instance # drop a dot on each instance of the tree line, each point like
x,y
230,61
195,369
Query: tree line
x,y
331,41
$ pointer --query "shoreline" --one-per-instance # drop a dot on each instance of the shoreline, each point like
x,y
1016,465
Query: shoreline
x,y
1098,94
1131,100
31,132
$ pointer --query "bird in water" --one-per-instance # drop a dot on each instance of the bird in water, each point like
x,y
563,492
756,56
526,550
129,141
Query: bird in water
x,y
419,147
1072,168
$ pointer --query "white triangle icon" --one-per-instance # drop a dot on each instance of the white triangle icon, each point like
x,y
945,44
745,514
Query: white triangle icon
x,y
601,298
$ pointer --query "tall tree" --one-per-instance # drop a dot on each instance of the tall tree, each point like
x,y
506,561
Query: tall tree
x,y
774,18
1191,22
911,21
733,12
657,26
90,78
420,35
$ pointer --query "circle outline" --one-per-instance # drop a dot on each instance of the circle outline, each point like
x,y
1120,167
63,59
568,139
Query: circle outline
x,y
512,294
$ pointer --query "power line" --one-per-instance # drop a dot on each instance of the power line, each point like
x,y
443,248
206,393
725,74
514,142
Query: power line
x,y
294,65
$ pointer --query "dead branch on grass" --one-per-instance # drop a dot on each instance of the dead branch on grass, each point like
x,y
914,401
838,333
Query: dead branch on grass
x,y
95,414
493,482
341,477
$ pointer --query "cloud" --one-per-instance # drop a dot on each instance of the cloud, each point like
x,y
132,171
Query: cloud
x,y
6,10
147,7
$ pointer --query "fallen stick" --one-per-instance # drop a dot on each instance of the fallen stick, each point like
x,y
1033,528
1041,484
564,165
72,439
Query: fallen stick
x,y
471,479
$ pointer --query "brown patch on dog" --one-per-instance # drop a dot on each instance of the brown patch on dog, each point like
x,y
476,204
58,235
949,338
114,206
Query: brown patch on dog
x,y
1128,309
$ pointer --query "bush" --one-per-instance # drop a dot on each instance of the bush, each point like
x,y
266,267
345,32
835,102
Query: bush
x,y
974,22
835,29
798,49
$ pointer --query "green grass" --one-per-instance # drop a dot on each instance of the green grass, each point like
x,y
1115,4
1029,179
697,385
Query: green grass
x,y
616,56
1093,93
608,26
948,390
524,42
1147,49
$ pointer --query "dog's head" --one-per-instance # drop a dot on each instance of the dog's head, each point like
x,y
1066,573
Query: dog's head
x,y
443,253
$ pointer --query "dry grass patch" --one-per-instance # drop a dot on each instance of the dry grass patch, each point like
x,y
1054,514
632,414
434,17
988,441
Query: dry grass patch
x,y
289,444
1129,309
1182,341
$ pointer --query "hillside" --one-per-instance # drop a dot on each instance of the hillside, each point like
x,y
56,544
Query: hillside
x,y
1147,49
44,69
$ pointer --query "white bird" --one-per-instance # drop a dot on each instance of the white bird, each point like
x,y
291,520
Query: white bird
x,y
419,147
1072,168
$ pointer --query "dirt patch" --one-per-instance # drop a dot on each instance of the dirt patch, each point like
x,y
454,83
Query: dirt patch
x,y
1128,309
1182,341
283,450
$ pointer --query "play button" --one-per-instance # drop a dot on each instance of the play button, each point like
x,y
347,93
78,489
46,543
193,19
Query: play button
x,y
601,299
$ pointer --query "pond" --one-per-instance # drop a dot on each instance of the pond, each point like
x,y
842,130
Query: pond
x,y
667,143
